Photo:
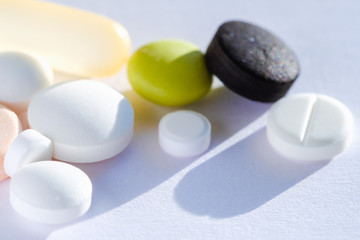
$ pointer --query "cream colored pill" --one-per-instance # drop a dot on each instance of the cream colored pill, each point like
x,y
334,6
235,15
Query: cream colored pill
x,y
30,146
10,127
21,77
50,192
72,41
309,127
86,120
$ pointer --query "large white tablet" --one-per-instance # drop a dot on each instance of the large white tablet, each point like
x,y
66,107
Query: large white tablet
x,y
86,120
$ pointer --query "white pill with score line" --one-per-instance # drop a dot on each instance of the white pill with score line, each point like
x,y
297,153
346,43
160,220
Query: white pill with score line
x,y
309,127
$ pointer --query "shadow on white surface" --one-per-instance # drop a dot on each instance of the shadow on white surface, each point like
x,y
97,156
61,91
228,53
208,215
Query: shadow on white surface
x,y
143,165
240,179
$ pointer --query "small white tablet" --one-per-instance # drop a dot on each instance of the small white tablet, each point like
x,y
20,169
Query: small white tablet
x,y
30,146
184,133
309,127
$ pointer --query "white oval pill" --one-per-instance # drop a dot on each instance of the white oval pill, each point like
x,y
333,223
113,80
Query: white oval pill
x,y
50,192
184,133
21,77
30,146
309,127
87,121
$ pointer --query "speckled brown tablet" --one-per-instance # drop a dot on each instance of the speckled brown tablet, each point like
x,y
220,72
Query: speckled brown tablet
x,y
252,62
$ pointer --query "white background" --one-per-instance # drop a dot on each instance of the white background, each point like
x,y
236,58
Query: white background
x,y
240,188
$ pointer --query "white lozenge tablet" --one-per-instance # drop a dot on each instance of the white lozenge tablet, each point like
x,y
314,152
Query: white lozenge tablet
x,y
87,121
28,147
309,127
184,133
21,77
50,192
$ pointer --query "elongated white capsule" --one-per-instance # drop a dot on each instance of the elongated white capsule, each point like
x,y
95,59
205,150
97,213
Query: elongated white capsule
x,y
73,41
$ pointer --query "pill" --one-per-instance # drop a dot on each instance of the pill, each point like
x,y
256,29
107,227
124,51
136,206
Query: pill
x,y
309,127
251,61
21,77
28,147
169,72
184,133
73,41
10,127
50,192
87,121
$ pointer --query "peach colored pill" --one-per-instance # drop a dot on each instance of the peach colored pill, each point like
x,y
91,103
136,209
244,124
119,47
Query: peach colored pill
x,y
10,127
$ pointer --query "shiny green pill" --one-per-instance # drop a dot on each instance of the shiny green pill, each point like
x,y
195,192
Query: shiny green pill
x,y
169,72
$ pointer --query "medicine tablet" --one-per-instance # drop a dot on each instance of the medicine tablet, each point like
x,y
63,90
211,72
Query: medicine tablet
x,y
21,77
169,72
50,192
86,120
73,41
30,146
251,61
10,127
184,133
309,127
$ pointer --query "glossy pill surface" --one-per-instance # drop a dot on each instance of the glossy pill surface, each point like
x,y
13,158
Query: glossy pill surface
x,y
87,121
21,77
309,127
73,41
50,192
169,72
10,127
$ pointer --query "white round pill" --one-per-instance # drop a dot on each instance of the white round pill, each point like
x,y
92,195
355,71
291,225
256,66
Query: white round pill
x,y
50,192
86,120
309,127
28,147
184,133
21,77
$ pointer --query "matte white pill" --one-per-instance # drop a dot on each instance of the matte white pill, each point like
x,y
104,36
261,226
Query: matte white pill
x,y
50,192
184,133
73,41
309,127
86,120
28,147
21,77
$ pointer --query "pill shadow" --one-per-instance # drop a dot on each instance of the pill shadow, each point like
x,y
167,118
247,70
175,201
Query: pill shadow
x,y
143,165
240,179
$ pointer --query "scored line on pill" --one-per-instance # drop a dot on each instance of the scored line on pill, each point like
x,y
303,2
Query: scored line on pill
x,y
308,119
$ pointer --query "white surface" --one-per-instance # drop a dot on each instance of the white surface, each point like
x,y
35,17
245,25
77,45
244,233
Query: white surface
x,y
184,133
22,76
309,127
28,147
50,192
241,188
86,120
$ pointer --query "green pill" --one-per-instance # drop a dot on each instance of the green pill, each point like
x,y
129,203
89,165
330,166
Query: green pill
x,y
169,72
